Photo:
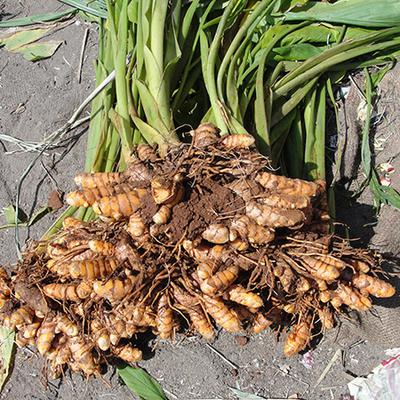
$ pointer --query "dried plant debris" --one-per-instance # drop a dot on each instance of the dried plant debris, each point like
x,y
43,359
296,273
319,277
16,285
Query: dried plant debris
x,y
204,237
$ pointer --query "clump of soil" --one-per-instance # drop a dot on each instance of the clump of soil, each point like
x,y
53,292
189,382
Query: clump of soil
x,y
208,204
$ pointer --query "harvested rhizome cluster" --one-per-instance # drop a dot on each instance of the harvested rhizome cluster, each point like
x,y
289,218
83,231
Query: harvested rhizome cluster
x,y
206,236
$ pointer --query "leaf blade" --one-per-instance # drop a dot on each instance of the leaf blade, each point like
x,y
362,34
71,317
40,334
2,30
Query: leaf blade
x,y
14,41
366,13
6,349
36,19
141,383
39,51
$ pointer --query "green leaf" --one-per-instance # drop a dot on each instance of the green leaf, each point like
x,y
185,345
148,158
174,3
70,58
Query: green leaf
x,y
320,122
39,51
58,223
382,194
141,383
366,13
6,350
279,135
356,32
13,41
335,55
10,215
311,34
276,31
297,52
188,18
37,19
133,12
151,108
94,9
294,148
25,42
39,214
391,196
310,145
377,76
280,111
150,134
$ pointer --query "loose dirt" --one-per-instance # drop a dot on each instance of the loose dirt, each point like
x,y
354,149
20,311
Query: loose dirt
x,y
187,369
201,210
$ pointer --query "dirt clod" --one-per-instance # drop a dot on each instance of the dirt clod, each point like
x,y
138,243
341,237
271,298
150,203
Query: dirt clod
x,y
241,340
55,200
201,209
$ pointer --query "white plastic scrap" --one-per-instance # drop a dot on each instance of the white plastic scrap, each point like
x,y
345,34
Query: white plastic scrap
x,y
382,384
394,352
308,360
386,169
362,111
385,181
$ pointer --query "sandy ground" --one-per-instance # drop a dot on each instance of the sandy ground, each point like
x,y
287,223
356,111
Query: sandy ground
x,y
46,93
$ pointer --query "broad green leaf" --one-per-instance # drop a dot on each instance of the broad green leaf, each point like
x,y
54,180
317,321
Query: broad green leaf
x,y
356,32
36,19
6,350
141,383
274,32
297,52
13,41
39,51
312,34
25,43
335,55
269,38
10,215
366,13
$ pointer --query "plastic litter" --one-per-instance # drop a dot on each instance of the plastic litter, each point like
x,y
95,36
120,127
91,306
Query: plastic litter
x,y
383,383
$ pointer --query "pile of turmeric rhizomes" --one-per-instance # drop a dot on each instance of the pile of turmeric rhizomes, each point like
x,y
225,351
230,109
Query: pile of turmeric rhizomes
x,y
205,236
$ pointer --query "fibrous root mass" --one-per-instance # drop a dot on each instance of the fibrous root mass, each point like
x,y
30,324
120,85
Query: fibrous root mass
x,y
206,236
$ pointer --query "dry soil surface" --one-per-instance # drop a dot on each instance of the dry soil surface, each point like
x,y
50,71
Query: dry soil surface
x,y
37,98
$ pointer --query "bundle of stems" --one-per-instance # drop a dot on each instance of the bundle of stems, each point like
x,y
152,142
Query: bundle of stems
x,y
261,67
